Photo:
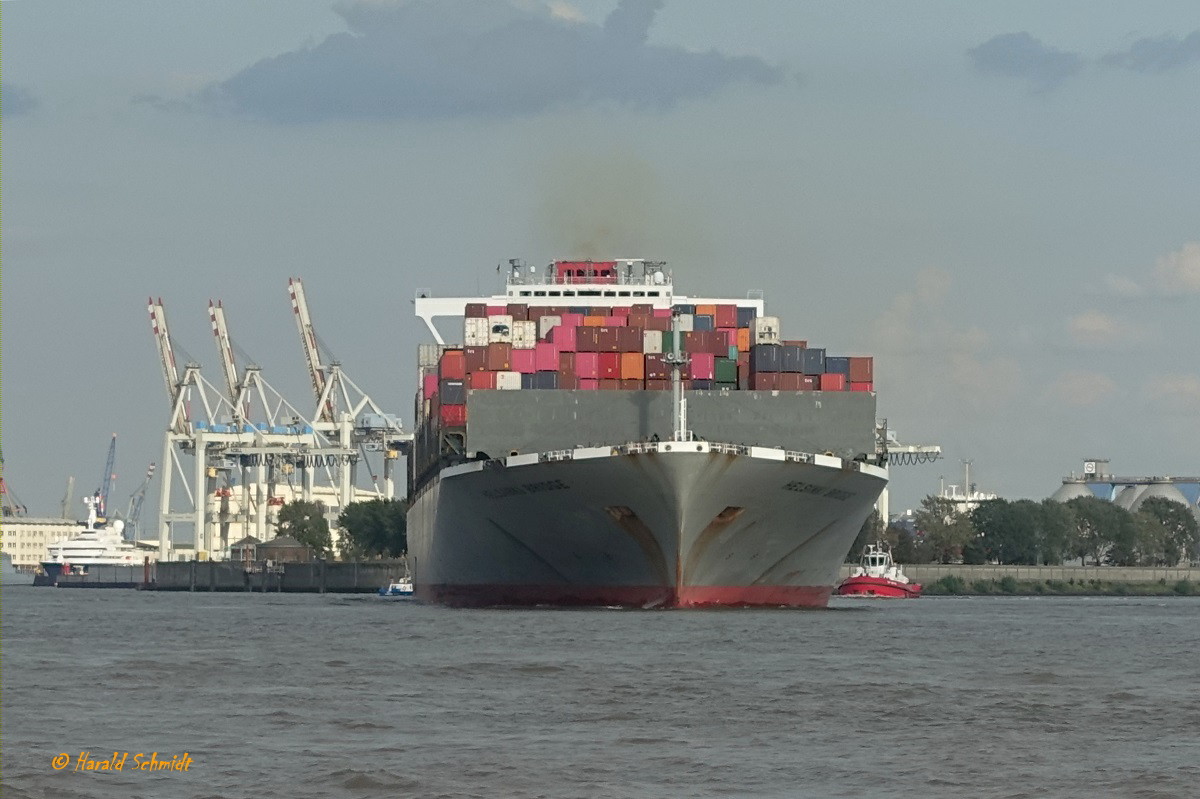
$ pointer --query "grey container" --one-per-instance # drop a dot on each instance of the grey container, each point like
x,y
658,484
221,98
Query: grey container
x,y
837,366
792,359
814,360
766,358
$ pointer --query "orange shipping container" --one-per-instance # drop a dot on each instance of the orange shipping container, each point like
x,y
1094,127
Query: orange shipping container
x,y
743,339
593,321
706,310
633,366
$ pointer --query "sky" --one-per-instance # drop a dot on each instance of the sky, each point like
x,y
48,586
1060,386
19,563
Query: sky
x,y
999,201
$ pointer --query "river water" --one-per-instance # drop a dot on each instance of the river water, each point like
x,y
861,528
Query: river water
x,y
316,696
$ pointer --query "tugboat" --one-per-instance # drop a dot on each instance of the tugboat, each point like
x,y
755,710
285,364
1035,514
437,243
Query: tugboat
x,y
398,589
877,575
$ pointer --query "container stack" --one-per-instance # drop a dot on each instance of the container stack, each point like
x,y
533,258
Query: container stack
x,y
517,347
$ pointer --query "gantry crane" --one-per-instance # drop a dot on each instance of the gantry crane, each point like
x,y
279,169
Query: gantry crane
x,y
106,482
216,313
9,504
892,453
312,353
135,505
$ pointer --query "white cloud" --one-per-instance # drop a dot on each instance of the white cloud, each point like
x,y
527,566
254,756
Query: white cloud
x,y
1179,272
1080,388
1178,392
565,11
1123,287
1097,328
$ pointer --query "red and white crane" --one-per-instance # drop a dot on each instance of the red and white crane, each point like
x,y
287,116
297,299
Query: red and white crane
x,y
166,354
312,353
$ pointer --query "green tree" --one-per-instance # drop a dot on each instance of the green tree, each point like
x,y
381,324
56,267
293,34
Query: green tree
x,y
945,530
305,522
377,527
1103,531
1057,524
1167,532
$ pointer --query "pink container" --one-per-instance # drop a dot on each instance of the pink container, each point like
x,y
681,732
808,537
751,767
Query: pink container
x,y
430,386
589,384
524,361
563,337
704,366
587,365
545,357
572,319
731,335
661,313
615,321
497,310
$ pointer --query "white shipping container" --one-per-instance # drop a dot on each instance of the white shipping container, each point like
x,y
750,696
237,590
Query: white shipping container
x,y
547,322
476,333
766,330
686,322
652,341
508,381
500,329
428,354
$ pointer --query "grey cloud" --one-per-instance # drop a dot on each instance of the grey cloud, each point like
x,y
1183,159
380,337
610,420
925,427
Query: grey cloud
x,y
15,100
1019,55
1157,54
480,58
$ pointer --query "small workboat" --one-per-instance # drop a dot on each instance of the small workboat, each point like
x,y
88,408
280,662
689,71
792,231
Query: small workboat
x,y
398,589
877,575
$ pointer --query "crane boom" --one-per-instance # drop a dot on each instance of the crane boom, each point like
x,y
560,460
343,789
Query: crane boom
x,y
106,482
308,339
166,353
135,503
216,313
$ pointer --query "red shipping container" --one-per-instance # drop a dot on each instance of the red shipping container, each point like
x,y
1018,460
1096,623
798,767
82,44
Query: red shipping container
x,y
499,357
657,323
483,380
453,365
608,339
641,309
633,366
497,310
610,366
566,363
524,361
630,339
476,359
789,381
703,366
792,343
429,386
620,310
518,311
861,386
588,384
862,370
453,415
476,310
811,382
658,385
765,381
564,337
631,385
545,357
832,382
568,382
730,334
661,313
656,367
610,385
726,316
571,319
615,321
587,365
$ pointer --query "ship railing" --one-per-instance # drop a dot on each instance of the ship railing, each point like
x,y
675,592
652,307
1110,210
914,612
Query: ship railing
x,y
556,455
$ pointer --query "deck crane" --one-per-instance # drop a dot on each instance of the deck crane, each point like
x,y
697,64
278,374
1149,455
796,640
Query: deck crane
x,y
106,482
312,353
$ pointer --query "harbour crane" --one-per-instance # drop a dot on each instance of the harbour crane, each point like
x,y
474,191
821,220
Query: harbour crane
x,y
312,353
9,504
166,353
135,505
892,453
216,313
106,482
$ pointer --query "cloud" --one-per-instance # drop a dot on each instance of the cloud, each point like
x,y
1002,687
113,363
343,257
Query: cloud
x,y
1158,54
15,100
477,58
1097,328
1080,389
1177,392
1179,272
1123,287
1019,55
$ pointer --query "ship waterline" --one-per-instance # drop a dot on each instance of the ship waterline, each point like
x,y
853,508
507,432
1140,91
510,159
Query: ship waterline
x,y
658,524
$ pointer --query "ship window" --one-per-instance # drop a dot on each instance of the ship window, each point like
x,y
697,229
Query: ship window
x,y
639,294
651,293
610,294
622,293
525,294
556,294
568,294
539,294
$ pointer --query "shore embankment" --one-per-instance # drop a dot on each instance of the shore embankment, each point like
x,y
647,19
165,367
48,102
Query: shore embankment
x,y
962,579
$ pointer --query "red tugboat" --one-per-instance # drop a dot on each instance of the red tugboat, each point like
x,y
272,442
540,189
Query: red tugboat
x,y
877,575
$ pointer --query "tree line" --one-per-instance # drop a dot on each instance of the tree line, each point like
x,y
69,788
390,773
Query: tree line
x,y
373,528
1026,532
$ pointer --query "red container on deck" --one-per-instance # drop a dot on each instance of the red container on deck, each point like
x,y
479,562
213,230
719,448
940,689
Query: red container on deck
x,y
476,358
566,363
730,334
657,323
811,382
656,367
661,313
703,366
726,316
524,361
658,385
519,311
545,356
610,366
483,380
497,310
614,321
453,365
641,309
610,385
620,310
587,365
765,381
429,386
588,383
629,339
861,386
571,319
632,385
794,343
789,381
453,415
633,366
832,382
499,357
568,382
476,310
564,337
862,370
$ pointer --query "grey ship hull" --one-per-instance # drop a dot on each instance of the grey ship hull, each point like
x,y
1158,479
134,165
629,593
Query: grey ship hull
x,y
663,524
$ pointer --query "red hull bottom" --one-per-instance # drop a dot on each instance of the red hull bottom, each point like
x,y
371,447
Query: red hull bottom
x,y
878,586
690,596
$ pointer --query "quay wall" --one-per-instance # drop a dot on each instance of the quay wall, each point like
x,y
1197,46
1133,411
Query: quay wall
x,y
928,573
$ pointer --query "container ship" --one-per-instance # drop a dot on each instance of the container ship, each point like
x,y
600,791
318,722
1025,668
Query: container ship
x,y
598,439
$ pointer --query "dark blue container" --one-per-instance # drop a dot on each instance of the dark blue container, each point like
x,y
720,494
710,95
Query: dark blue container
x,y
837,366
703,322
545,380
745,317
766,358
793,359
685,309
814,361
703,385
